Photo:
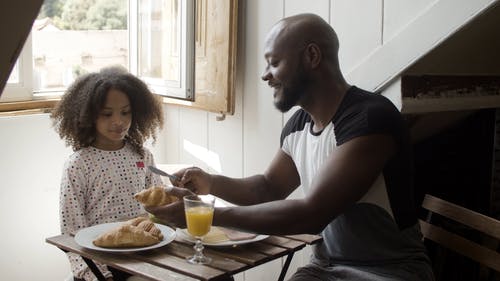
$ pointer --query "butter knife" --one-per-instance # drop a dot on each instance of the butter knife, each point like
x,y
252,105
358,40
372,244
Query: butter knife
x,y
162,173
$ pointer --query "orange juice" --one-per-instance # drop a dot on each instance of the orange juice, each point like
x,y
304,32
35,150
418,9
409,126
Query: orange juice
x,y
199,220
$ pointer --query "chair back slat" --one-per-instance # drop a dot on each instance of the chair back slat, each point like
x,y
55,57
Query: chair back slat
x,y
457,242
461,245
463,215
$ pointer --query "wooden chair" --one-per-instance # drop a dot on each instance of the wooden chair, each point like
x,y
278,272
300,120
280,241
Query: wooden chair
x,y
487,228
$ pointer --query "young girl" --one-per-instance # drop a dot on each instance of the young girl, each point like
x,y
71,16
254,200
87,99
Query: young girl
x,y
105,117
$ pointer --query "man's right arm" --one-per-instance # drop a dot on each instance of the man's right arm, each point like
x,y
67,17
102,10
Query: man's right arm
x,y
279,180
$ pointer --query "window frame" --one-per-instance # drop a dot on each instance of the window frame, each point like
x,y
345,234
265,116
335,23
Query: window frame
x,y
183,89
22,90
218,98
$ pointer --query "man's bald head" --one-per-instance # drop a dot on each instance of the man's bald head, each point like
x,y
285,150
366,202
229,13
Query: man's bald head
x,y
298,31
302,61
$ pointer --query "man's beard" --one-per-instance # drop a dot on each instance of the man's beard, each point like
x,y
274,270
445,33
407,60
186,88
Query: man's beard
x,y
293,93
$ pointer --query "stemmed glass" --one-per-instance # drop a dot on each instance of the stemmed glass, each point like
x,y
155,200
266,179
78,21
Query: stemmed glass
x,y
199,211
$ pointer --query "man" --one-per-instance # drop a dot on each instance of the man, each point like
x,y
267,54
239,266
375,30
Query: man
x,y
349,150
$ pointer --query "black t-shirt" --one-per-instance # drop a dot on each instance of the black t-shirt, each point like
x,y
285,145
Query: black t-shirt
x,y
381,227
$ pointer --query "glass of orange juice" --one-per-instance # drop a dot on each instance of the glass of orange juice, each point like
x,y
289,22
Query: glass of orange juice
x,y
199,211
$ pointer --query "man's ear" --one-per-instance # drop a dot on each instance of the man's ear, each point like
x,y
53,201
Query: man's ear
x,y
312,55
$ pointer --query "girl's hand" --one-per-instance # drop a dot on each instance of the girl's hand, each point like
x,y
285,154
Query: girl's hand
x,y
195,179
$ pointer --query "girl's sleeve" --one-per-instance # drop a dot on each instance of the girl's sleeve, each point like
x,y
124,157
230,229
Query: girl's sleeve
x,y
151,178
72,215
72,198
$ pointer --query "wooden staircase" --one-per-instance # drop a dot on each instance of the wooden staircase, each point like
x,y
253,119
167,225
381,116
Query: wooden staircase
x,y
444,28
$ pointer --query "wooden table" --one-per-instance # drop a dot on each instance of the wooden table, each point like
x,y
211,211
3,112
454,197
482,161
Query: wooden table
x,y
166,262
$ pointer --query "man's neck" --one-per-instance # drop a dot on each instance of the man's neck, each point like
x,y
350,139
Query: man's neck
x,y
324,104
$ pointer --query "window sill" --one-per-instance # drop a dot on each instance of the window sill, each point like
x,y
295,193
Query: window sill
x,y
27,107
46,106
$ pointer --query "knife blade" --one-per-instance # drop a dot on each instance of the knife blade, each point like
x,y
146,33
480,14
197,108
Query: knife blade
x,y
162,173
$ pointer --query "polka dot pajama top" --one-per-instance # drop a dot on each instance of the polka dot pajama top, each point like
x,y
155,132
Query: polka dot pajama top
x,y
97,187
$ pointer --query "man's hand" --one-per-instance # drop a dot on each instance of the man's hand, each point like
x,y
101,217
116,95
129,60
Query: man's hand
x,y
195,179
172,213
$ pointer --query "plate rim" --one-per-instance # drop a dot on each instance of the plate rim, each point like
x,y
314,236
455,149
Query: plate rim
x,y
169,235
228,243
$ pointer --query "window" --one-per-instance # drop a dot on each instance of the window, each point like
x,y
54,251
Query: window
x,y
155,45
19,84
148,37
164,38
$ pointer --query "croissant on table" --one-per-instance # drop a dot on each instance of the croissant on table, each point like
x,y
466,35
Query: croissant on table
x,y
155,196
146,225
137,232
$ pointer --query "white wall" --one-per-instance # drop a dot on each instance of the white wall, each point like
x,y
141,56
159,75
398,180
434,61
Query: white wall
x,y
30,168
241,145
31,163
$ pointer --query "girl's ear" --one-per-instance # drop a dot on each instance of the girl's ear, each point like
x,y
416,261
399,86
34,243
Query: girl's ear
x,y
312,55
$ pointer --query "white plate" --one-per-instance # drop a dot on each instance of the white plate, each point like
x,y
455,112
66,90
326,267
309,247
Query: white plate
x,y
85,236
184,235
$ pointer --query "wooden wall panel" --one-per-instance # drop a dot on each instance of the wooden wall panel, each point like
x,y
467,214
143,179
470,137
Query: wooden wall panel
x,y
318,7
171,135
399,13
358,24
225,141
261,121
193,132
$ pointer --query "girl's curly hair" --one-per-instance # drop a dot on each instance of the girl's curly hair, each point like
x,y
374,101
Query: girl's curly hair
x,y
75,115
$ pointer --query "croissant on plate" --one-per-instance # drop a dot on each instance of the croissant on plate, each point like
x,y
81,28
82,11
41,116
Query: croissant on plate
x,y
147,225
138,232
155,196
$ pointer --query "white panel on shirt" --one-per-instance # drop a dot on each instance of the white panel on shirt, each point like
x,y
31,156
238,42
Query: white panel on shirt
x,y
309,152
